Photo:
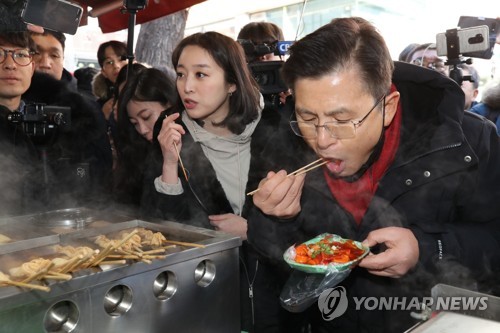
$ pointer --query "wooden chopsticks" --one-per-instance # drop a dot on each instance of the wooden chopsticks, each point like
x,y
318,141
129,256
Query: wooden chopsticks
x,y
304,169
180,161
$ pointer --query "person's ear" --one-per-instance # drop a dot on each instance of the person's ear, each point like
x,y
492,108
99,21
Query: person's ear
x,y
391,106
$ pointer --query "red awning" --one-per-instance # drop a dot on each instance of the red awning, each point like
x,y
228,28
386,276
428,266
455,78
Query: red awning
x,y
117,19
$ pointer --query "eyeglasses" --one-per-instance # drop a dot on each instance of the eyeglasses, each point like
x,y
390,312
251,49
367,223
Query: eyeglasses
x,y
21,57
437,65
337,129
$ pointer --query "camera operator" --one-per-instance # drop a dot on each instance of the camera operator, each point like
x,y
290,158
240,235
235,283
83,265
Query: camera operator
x,y
260,42
20,169
75,163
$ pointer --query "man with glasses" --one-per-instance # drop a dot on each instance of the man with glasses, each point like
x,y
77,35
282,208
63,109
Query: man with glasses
x,y
20,165
79,160
408,173
425,55
17,68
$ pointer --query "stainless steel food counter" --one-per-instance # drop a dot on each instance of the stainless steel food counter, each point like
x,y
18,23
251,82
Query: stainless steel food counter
x,y
191,289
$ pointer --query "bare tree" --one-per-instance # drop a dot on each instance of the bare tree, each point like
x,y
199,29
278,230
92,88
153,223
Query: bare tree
x,y
157,39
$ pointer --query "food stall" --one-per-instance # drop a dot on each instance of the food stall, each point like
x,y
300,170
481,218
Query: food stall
x,y
184,279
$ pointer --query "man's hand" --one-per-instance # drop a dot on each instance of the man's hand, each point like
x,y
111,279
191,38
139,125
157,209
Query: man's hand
x,y
400,256
230,224
35,28
279,194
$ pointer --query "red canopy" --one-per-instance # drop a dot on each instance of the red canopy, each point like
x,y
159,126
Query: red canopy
x,y
116,19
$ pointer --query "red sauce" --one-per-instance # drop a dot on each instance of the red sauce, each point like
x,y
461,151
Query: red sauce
x,y
327,251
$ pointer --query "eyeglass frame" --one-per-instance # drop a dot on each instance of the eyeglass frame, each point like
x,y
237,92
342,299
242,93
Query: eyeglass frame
x,y
355,123
11,52
434,65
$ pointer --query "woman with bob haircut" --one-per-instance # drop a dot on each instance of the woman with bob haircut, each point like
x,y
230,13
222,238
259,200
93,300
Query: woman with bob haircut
x,y
224,138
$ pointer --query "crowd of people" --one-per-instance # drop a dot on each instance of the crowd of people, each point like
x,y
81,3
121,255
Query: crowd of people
x,y
408,172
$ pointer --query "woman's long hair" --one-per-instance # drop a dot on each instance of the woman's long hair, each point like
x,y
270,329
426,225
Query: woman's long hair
x,y
147,85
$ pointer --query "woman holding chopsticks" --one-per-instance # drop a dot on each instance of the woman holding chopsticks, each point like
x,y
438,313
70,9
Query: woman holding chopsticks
x,y
213,148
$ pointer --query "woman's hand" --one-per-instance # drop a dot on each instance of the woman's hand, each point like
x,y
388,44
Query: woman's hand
x,y
400,256
170,142
230,224
108,108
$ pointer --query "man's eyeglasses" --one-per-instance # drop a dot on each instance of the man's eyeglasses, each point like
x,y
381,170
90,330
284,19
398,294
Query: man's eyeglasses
x,y
437,64
21,57
337,129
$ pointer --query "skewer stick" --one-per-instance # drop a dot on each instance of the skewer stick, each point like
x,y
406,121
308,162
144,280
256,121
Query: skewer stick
x,y
82,260
180,161
100,257
168,247
121,256
298,172
154,251
113,262
26,285
69,264
38,274
5,280
184,243
62,277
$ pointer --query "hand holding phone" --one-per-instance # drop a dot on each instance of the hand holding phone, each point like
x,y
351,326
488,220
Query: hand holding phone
x,y
57,15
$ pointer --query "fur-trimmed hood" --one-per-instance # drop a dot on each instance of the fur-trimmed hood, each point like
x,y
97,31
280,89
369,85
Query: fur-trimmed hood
x,y
102,87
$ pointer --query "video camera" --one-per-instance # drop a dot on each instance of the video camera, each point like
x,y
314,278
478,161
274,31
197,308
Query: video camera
x,y
42,122
266,73
474,38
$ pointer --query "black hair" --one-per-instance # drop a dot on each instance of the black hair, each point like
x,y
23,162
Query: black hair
x,y
261,33
229,55
59,36
339,45
21,39
120,49
146,84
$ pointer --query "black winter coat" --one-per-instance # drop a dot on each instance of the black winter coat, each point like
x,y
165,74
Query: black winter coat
x,y
80,159
444,185
204,195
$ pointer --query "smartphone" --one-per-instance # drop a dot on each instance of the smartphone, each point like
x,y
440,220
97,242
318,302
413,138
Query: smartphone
x,y
471,40
474,21
57,15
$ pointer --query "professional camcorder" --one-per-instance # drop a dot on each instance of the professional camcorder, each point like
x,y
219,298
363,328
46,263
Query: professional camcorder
x,y
266,73
42,122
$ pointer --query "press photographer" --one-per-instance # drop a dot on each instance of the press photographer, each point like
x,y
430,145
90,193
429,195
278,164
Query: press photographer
x,y
39,172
